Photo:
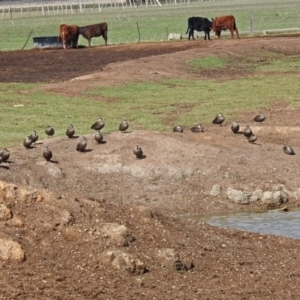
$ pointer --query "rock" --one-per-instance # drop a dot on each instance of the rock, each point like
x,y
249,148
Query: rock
x,y
170,258
256,195
10,250
238,196
117,234
216,190
274,198
124,261
15,222
167,256
7,191
5,213
296,194
182,267
174,36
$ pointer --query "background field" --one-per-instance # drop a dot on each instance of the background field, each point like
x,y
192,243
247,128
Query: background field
x,y
154,22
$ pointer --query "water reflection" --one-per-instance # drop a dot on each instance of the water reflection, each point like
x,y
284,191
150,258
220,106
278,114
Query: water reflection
x,y
272,222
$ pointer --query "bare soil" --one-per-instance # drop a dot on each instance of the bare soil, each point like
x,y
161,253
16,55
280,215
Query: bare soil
x,y
69,252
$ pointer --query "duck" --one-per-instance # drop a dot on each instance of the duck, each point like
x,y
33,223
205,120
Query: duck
x,y
288,150
219,119
252,139
98,136
123,126
82,145
34,136
27,142
98,125
49,131
235,127
47,154
259,118
197,128
247,131
138,152
178,128
70,131
5,154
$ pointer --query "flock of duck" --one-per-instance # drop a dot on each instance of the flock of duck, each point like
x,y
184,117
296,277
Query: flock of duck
x,y
235,128
30,141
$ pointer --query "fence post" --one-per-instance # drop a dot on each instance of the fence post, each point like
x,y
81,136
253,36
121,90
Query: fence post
x,y
252,24
137,24
27,39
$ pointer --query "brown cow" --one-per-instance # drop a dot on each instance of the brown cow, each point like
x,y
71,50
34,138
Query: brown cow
x,y
68,34
94,30
224,23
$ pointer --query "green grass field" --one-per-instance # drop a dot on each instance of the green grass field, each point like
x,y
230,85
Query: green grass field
x,y
149,105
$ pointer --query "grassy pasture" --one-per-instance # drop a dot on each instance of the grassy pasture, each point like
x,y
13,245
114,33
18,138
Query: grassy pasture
x,y
150,105
154,22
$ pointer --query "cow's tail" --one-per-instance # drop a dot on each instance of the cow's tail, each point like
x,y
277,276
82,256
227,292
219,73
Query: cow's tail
x,y
188,27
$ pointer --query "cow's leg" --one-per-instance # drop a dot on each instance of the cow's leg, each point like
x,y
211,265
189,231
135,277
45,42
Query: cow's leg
x,y
237,33
192,33
89,40
206,34
105,37
231,32
64,41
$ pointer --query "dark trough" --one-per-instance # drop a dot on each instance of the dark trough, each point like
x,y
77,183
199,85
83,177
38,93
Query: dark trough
x,y
42,42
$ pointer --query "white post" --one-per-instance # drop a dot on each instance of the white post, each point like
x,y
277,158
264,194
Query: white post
x,y
43,12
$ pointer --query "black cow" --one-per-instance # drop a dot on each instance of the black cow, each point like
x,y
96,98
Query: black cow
x,y
199,24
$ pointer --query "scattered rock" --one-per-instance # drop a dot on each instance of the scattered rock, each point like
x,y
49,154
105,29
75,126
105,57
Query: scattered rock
x,y
216,190
182,267
5,213
274,199
239,196
124,261
15,221
10,250
296,194
256,195
118,234
167,256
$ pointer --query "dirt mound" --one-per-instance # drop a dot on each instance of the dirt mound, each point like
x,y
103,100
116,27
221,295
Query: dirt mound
x,y
103,224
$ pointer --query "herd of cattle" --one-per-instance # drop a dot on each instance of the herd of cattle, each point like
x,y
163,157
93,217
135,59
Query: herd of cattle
x,y
69,34
217,25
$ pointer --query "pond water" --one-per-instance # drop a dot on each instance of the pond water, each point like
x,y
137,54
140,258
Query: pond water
x,y
271,222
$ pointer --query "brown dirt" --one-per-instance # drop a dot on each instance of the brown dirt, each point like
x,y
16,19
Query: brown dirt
x,y
69,252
